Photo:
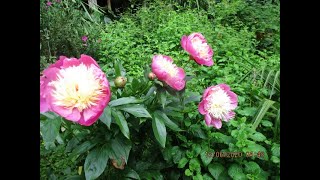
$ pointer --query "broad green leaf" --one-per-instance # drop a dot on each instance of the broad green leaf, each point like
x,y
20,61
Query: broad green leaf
x,y
96,162
248,111
136,110
182,162
50,129
194,97
215,169
235,171
121,148
167,121
122,123
86,146
163,98
119,71
252,168
194,165
258,137
159,130
106,116
151,91
196,149
124,100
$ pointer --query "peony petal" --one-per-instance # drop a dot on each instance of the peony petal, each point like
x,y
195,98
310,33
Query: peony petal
x,y
181,74
74,116
201,107
183,42
233,98
87,60
229,116
44,107
216,123
70,62
224,87
88,113
208,118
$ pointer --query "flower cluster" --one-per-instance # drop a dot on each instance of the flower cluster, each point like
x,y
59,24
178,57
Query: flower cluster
x,y
78,90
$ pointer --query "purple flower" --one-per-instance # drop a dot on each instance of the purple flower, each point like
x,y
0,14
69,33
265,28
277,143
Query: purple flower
x,y
84,38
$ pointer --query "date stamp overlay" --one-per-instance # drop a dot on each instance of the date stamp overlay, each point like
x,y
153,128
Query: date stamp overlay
x,y
258,154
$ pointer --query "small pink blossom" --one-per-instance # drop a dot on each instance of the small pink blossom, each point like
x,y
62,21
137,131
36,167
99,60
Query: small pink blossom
x,y
163,67
84,38
218,103
76,89
49,3
196,45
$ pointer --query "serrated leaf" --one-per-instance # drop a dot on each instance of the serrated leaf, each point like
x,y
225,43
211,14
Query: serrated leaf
x,y
207,177
197,131
258,137
252,168
136,110
159,130
235,171
182,162
206,156
124,100
132,174
167,121
106,116
194,165
216,169
122,123
96,162
275,150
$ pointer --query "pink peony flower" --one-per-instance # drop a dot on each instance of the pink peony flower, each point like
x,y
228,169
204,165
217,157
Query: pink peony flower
x,y
49,3
76,89
218,103
165,70
196,45
84,38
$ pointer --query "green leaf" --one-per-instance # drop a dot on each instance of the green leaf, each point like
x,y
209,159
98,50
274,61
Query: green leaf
x,y
122,123
136,110
197,177
207,177
275,159
206,156
252,168
248,111
216,169
194,97
120,148
196,149
182,162
50,129
163,98
235,171
124,100
187,172
159,130
96,162
161,115
194,165
266,123
258,137
106,116
197,131
275,150
262,111
132,174
119,70
85,146
257,149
